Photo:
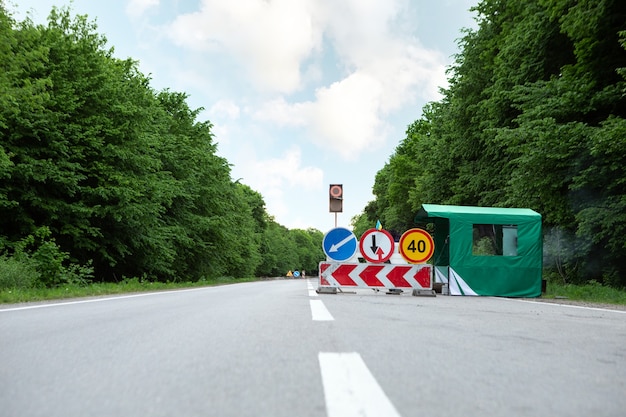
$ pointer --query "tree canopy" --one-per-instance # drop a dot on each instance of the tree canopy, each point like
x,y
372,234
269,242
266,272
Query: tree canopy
x,y
117,175
533,116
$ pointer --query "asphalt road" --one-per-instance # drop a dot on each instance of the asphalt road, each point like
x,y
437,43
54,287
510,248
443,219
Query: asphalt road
x,y
276,348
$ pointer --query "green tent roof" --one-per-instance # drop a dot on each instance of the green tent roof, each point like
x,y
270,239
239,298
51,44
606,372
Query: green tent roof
x,y
476,213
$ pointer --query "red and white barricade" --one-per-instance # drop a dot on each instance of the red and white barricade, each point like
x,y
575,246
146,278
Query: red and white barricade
x,y
375,276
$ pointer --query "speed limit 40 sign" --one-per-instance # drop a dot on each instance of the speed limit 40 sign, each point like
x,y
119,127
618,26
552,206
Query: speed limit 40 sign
x,y
416,246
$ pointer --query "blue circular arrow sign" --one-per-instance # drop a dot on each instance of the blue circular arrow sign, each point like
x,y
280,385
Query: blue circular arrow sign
x,y
339,244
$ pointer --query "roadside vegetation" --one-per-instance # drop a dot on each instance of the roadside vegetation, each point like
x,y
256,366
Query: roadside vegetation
x,y
590,292
103,179
534,116
15,295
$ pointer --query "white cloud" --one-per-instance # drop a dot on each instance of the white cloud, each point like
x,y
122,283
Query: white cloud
x,y
382,66
225,109
136,8
269,38
285,170
345,117
379,44
277,178
281,113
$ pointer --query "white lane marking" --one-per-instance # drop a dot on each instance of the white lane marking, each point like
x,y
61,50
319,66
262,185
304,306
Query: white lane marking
x,y
312,293
350,389
98,300
609,310
319,311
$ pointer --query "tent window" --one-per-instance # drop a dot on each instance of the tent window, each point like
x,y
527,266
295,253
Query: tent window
x,y
494,240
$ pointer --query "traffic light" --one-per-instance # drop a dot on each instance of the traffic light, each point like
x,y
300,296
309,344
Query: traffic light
x,y
335,195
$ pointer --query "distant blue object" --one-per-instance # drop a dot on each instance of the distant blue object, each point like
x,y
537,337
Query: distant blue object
x,y
339,244
296,274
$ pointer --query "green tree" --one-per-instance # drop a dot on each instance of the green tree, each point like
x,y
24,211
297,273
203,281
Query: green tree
x,y
307,244
533,117
277,251
119,174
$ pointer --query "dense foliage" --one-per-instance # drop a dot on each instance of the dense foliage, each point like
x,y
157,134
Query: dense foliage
x,y
534,116
110,179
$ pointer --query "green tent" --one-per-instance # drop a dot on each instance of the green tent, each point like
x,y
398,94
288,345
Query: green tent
x,y
485,250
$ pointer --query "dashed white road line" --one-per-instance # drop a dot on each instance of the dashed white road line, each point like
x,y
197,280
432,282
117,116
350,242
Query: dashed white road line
x,y
319,312
350,389
312,292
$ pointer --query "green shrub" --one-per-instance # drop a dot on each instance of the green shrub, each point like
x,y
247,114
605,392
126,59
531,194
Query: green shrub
x,y
16,274
40,252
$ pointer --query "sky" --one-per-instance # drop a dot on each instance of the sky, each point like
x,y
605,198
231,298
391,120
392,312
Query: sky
x,y
301,93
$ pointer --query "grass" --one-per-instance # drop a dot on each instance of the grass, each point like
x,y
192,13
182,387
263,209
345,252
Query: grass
x,y
592,292
20,295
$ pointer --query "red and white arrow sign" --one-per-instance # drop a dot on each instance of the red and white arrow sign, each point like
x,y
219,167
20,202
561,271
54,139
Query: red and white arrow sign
x,y
357,275
376,245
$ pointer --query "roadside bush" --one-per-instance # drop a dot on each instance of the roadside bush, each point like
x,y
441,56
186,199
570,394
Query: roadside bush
x,y
52,267
15,274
